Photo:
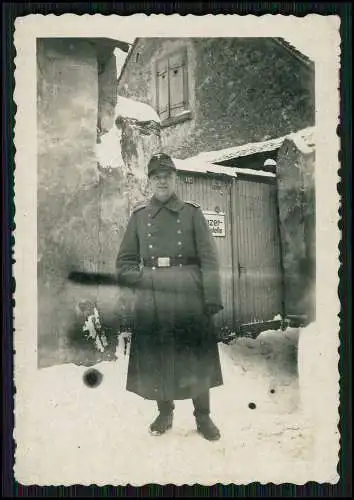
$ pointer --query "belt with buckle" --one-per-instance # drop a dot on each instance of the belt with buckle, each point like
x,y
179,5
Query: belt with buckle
x,y
170,262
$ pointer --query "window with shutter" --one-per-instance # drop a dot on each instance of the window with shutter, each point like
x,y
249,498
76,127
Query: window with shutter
x,y
162,89
176,74
172,85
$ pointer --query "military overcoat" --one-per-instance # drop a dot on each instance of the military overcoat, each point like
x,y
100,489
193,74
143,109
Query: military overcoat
x,y
174,352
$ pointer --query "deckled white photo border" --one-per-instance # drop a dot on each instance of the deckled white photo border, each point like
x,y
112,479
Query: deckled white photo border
x,y
322,33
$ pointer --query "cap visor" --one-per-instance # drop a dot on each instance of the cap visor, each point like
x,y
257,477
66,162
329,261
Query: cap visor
x,y
161,169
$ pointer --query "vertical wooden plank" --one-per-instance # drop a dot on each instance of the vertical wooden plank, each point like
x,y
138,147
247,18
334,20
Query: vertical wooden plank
x,y
176,81
242,238
261,268
185,79
261,236
262,261
249,244
256,246
162,88
246,261
235,230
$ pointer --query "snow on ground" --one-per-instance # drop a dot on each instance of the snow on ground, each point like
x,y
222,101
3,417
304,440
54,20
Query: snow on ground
x,y
69,433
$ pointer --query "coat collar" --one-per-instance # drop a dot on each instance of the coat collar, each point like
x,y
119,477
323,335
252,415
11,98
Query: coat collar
x,y
174,204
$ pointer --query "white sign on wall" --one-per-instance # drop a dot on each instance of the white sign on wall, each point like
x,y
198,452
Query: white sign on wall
x,y
216,222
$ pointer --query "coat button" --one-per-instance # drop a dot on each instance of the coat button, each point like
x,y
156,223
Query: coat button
x,y
149,224
150,246
180,243
179,231
178,221
149,235
153,268
179,255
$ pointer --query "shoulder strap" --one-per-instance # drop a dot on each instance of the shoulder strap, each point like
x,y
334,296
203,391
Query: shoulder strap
x,y
139,206
193,203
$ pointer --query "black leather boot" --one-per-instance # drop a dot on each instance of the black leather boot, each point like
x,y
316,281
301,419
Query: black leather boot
x,y
205,426
164,420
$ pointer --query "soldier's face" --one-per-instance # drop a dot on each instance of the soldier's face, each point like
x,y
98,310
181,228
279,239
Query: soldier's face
x,y
163,184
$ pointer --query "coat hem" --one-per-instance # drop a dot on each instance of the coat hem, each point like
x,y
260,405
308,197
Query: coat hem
x,y
175,398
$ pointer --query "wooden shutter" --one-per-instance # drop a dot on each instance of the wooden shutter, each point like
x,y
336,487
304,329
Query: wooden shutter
x,y
162,89
177,90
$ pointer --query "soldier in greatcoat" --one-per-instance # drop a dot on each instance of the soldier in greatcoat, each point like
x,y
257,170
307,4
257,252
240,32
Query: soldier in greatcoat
x,y
169,257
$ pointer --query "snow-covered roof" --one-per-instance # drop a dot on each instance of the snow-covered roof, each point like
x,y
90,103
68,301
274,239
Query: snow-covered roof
x,y
254,171
195,166
202,167
303,137
206,162
136,110
304,140
239,151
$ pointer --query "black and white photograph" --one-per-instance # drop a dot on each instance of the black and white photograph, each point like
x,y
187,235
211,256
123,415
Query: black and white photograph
x,y
176,250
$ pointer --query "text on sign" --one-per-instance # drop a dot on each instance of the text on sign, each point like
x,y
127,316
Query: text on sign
x,y
216,223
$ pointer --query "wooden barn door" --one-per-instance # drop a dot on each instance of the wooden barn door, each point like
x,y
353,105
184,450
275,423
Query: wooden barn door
x,y
256,246
214,196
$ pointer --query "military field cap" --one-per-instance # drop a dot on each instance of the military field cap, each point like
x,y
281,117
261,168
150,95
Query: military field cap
x,y
160,162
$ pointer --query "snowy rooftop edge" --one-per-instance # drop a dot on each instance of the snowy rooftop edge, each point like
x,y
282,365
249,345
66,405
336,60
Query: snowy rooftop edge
x,y
206,162
252,171
196,166
302,138
136,110
205,168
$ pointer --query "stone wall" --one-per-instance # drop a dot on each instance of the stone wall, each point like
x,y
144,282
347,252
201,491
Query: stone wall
x,y
296,197
107,89
83,207
67,181
241,90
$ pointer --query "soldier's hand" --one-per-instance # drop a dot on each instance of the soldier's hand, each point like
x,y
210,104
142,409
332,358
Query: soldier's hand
x,y
212,309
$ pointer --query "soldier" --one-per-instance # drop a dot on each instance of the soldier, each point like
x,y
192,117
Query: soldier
x,y
169,257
